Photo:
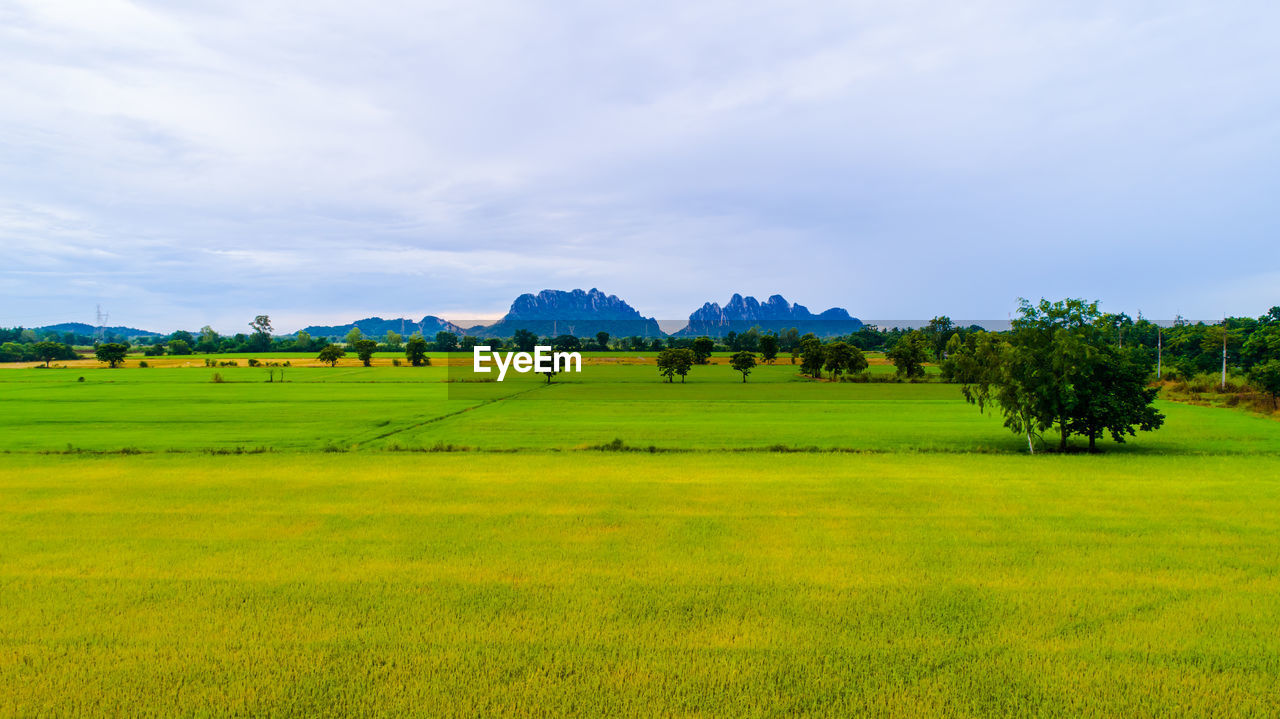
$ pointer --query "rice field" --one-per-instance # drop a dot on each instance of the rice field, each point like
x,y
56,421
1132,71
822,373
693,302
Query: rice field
x,y
787,548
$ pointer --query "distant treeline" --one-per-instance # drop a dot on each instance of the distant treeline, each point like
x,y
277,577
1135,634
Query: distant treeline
x,y
1184,349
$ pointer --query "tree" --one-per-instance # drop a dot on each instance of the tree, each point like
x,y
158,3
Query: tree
x,y
179,347
48,351
113,353
261,338
672,362
1056,367
683,361
1114,396
838,357
354,336
208,342
602,339
939,331
302,341
415,350
446,341
702,349
769,348
566,343
364,350
1267,378
812,356
524,340
909,355
331,354
393,340
744,362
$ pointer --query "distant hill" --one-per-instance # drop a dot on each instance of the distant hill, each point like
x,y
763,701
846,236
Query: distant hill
x,y
377,327
776,314
580,313
82,328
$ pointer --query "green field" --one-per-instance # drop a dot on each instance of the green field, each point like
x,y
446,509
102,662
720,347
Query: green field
x,y
789,548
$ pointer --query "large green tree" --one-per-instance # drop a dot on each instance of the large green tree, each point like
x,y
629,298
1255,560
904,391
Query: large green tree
x,y
446,341
48,351
769,348
331,353
812,356
260,340
840,358
677,361
113,353
1057,368
415,350
909,354
365,349
743,362
1266,376
702,349
524,340
1113,396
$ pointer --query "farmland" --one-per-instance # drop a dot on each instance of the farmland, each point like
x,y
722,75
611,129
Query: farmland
x,y
378,540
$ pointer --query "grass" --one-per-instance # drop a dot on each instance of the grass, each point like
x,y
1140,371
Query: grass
x,y
639,585
254,548
180,409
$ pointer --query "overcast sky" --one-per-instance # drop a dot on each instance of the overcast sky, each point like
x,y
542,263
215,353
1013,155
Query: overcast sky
x,y
187,163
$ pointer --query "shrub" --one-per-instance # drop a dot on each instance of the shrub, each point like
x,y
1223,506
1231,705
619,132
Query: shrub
x,y
254,363
143,364
217,378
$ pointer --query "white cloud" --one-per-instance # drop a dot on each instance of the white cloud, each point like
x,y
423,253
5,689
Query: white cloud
x,y
194,159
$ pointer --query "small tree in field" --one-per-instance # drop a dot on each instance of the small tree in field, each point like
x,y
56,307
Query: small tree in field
x,y
812,356
909,354
331,354
702,349
673,362
365,349
683,362
602,339
667,364
415,350
48,351
113,353
744,362
1267,378
769,348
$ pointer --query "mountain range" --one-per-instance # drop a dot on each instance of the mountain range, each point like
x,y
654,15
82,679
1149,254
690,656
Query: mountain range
x,y
775,314
583,313
378,327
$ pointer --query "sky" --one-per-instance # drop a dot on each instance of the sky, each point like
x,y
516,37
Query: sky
x,y
187,163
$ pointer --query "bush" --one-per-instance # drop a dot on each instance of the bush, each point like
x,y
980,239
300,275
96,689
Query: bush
x,y
217,378
254,363
395,362
143,364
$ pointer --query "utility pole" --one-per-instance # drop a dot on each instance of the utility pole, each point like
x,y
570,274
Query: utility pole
x,y
101,319
1224,352
1159,350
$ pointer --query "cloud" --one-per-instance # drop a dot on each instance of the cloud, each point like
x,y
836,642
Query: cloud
x,y
190,162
